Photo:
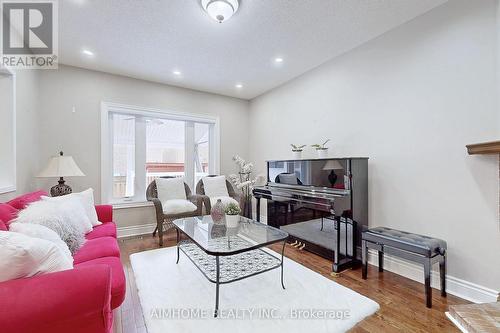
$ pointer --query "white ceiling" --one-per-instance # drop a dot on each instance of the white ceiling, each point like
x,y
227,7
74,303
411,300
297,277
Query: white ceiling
x,y
149,39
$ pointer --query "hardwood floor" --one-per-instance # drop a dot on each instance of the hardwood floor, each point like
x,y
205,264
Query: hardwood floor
x,y
402,306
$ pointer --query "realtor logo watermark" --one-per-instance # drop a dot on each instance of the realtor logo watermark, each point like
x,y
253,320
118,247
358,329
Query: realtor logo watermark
x,y
29,34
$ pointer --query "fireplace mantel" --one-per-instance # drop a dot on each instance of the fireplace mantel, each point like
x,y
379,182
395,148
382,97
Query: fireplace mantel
x,y
492,147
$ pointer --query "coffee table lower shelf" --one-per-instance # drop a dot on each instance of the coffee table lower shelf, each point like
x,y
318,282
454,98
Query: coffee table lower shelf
x,y
231,268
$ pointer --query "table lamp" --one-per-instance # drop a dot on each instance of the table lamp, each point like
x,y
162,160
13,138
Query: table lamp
x,y
333,165
61,166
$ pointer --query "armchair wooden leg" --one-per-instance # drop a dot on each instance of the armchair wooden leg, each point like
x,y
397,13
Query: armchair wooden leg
x,y
160,234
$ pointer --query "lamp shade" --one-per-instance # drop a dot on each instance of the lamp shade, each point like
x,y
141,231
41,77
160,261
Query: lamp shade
x,y
61,166
333,165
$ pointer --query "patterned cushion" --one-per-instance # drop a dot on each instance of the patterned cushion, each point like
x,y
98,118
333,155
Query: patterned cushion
x,y
407,241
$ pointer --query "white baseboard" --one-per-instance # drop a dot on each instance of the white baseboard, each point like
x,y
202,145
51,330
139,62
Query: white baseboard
x,y
455,286
135,230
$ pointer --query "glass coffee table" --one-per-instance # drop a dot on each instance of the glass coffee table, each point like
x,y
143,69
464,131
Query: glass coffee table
x,y
226,255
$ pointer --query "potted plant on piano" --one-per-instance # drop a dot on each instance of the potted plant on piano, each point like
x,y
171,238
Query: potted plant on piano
x,y
321,149
297,151
232,215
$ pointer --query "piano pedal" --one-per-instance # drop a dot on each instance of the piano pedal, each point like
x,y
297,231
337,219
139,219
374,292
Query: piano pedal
x,y
297,245
302,247
293,244
339,274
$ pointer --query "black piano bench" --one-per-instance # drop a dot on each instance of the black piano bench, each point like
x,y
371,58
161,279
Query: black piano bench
x,y
422,249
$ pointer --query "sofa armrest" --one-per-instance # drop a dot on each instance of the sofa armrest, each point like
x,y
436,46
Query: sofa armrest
x,y
77,298
104,213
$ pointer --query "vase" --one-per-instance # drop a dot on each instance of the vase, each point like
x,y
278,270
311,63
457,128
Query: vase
x,y
247,207
232,221
322,152
297,154
217,211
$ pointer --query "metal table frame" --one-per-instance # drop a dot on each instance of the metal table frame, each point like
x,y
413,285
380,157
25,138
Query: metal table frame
x,y
181,247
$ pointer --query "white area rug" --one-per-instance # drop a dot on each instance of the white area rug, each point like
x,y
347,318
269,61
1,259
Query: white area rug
x,y
178,298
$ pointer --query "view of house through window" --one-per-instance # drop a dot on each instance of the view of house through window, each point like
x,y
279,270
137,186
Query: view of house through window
x,y
145,148
165,148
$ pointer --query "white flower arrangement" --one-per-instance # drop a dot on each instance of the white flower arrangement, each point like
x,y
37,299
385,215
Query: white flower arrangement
x,y
242,180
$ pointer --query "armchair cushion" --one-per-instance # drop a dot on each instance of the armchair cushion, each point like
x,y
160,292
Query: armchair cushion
x,y
170,189
225,201
178,206
215,186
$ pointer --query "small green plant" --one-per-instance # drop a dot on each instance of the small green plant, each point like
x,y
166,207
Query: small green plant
x,y
232,209
297,147
321,146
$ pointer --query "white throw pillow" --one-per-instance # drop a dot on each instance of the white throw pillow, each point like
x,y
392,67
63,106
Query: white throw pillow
x,y
87,198
215,186
170,189
225,201
75,209
23,256
178,206
42,232
57,217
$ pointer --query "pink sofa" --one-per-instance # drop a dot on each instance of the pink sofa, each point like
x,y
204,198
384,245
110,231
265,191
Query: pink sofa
x,y
79,300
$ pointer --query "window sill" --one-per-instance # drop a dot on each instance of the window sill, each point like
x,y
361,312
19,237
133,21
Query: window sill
x,y
137,204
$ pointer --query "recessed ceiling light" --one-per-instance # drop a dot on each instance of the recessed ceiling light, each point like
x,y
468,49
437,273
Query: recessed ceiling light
x,y
178,73
239,86
278,60
88,53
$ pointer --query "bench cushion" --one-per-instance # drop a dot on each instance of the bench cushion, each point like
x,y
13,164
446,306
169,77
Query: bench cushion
x,y
424,245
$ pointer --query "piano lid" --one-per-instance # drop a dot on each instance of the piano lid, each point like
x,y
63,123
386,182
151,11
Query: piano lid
x,y
330,175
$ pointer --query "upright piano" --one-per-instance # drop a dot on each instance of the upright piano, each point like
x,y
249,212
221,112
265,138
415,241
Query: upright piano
x,y
321,203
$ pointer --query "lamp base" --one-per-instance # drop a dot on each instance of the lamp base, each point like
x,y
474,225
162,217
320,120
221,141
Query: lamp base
x,y
60,189
332,177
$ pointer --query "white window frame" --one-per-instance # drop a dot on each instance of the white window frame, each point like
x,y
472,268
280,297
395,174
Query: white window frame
x,y
12,160
140,188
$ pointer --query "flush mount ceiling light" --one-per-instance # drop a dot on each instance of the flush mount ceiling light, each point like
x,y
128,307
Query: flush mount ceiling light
x,y
220,10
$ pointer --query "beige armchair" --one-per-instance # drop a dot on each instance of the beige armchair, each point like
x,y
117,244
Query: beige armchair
x,y
164,220
200,190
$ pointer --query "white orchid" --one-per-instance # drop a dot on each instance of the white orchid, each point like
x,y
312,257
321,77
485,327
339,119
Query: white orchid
x,y
242,180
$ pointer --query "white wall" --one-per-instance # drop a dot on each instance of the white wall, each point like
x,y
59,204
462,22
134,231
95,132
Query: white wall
x,y
410,100
26,132
78,134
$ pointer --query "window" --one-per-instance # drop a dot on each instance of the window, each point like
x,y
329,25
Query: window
x,y
7,131
140,145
